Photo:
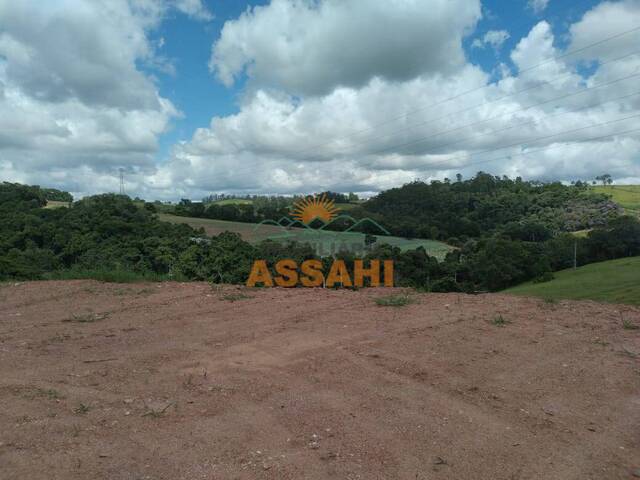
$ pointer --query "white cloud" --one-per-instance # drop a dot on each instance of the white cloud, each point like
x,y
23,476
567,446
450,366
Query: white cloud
x,y
281,143
310,47
312,119
494,38
606,20
73,100
68,50
538,6
194,8
536,49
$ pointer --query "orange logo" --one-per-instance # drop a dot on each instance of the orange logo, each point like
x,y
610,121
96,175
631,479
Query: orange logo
x,y
311,274
308,209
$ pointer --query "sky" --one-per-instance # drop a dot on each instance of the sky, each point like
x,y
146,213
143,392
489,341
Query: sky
x,y
193,97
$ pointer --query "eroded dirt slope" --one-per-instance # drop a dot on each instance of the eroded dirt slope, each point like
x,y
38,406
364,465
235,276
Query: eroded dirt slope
x,y
178,381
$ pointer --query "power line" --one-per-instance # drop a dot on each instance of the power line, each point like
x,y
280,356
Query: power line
x,y
429,166
529,122
552,147
529,152
485,120
476,89
479,122
473,107
522,71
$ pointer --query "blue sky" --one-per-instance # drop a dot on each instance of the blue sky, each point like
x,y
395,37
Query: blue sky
x,y
193,89
518,18
200,96
192,97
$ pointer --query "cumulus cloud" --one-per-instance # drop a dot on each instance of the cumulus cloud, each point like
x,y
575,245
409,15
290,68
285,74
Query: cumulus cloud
x,y
314,116
194,8
73,100
310,47
494,38
538,6
545,121
608,19
57,53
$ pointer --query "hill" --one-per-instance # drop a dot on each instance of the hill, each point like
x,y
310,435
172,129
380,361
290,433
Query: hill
x,y
628,196
234,201
616,281
254,233
451,212
485,205
114,233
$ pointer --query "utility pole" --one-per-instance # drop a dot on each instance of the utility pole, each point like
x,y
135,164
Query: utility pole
x,y
121,181
575,254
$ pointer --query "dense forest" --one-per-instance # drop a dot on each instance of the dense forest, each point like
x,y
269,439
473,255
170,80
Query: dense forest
x,y
451,211
487,204
112,233
56,195
249,209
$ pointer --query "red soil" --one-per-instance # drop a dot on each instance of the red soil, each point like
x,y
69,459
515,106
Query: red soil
x,y
178,381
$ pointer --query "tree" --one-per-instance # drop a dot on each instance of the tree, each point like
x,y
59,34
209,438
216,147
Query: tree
x,y
605,179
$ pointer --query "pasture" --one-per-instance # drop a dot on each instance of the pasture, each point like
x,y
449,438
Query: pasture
x,y
614,281
628,196
325,241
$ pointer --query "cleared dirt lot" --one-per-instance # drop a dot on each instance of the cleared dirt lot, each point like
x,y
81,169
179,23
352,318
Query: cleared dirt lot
x,y
178,381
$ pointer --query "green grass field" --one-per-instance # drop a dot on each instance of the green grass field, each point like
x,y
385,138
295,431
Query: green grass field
x,y
615,281
327,239
626,195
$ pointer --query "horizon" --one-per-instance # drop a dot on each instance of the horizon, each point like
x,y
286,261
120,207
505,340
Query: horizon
x,y
284,97
362,196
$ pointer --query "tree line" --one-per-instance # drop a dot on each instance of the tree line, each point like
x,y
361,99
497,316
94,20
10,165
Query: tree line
x,y
112,233
453,212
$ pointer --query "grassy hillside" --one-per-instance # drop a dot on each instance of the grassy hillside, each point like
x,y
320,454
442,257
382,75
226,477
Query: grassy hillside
x,y
626,195
253,233
616,281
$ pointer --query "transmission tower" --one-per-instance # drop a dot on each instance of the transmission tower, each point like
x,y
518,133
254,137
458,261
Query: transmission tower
x,y
121,181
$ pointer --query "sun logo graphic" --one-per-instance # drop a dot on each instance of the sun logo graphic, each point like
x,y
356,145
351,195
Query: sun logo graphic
x,y
327,244
311,208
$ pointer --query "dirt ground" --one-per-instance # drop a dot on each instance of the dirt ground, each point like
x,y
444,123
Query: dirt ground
x,y
180,381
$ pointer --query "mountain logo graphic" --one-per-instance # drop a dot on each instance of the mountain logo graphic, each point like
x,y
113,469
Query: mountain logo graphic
x,y
317,221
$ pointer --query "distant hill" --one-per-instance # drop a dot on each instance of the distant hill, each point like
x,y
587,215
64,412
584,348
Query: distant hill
x,y
628,196
616,281
254,233
454,211
234,201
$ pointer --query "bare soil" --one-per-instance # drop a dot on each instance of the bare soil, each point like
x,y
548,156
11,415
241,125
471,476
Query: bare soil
x,y
181,381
